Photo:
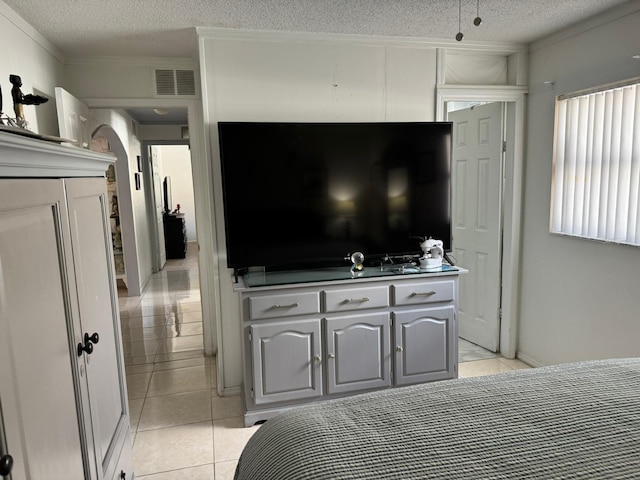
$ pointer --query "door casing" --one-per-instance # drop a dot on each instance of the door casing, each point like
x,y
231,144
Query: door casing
x,y
515,97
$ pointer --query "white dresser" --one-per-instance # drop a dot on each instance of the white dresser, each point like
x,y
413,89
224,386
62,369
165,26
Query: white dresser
x,y
315,335
63,398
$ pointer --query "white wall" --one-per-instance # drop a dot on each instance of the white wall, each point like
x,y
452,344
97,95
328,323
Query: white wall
x,y
579,298
24,52
175,162
316,81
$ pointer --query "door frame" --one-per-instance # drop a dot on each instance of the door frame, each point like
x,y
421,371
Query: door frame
x,y
132,278
202,171
512,195
146,146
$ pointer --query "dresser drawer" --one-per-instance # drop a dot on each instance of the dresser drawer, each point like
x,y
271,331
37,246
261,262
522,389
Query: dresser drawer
x,y
275,306
345,299
430,292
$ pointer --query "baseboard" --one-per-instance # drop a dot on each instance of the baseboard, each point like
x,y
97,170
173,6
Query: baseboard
x,y
231,391
529,360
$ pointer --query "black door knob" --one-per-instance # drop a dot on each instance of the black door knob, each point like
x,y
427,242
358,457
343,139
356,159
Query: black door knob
x,y
88,343
95,338
87,347
6,464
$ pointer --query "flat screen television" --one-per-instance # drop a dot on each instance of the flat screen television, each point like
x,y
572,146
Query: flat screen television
x,y
309,194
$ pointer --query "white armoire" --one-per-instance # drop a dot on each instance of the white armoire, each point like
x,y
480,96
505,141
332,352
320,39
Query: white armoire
x,y
63,399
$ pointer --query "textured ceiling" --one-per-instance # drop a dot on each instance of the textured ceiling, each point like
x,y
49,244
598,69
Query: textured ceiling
x,y
164,28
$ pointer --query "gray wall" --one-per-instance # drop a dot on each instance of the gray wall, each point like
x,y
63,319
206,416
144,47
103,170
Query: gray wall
x,y
579,298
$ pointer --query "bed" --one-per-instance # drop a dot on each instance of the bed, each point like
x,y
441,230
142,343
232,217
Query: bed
x,y
572,421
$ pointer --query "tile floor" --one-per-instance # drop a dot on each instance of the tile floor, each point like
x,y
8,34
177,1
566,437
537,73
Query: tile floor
x,y
180,428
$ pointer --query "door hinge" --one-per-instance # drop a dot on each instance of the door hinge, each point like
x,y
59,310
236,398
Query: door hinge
x,y
250,339
252,393
500,313
504,147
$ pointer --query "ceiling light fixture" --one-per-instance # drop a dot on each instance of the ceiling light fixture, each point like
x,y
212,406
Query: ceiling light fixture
x,y
477,21
160,111
637,57
459,35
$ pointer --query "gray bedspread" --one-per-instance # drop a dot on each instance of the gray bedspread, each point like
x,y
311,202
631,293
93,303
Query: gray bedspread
x,y
572,421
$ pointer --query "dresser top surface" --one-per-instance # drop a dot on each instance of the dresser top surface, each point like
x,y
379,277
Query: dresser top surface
x,y
254,280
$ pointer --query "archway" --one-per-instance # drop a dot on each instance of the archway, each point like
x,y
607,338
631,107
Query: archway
x,y
122,216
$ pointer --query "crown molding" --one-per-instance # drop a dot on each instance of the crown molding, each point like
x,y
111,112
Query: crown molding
x,y
204,33
31,32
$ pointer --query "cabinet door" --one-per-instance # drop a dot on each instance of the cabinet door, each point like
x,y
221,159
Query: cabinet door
x,y
358,353
37,393
286,360
424,345
97,298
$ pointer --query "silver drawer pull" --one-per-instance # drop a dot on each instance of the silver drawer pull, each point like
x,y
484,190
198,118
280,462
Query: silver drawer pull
x,y
422,294
293,305
331,355
317,358
356,300
399,349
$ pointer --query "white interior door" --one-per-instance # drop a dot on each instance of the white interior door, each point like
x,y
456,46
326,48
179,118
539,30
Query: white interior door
x,y
161,253
72,118
478,134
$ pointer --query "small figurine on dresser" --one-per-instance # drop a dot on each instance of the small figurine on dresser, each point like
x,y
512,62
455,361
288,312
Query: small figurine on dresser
x,y
20,99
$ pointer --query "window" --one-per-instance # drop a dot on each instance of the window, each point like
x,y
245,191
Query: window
x,y
596,171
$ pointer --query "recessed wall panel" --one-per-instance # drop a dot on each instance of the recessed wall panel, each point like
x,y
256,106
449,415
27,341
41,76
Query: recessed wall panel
x,y
482,200
484,131
460,192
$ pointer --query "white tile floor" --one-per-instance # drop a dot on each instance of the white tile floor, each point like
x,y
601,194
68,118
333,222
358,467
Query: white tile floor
x,y
180,428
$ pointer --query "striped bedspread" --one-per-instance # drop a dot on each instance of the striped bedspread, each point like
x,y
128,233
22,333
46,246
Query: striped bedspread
x,y
572,421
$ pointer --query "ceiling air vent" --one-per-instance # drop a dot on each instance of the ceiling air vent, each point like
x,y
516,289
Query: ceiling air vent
x,y
175,83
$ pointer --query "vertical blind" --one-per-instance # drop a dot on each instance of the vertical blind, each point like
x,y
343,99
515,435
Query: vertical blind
x,y
596,171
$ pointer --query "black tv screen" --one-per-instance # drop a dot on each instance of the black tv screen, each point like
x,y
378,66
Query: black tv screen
x,y
311,193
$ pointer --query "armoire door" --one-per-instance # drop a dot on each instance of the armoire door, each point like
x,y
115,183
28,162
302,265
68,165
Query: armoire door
x,y
37,393
98,314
